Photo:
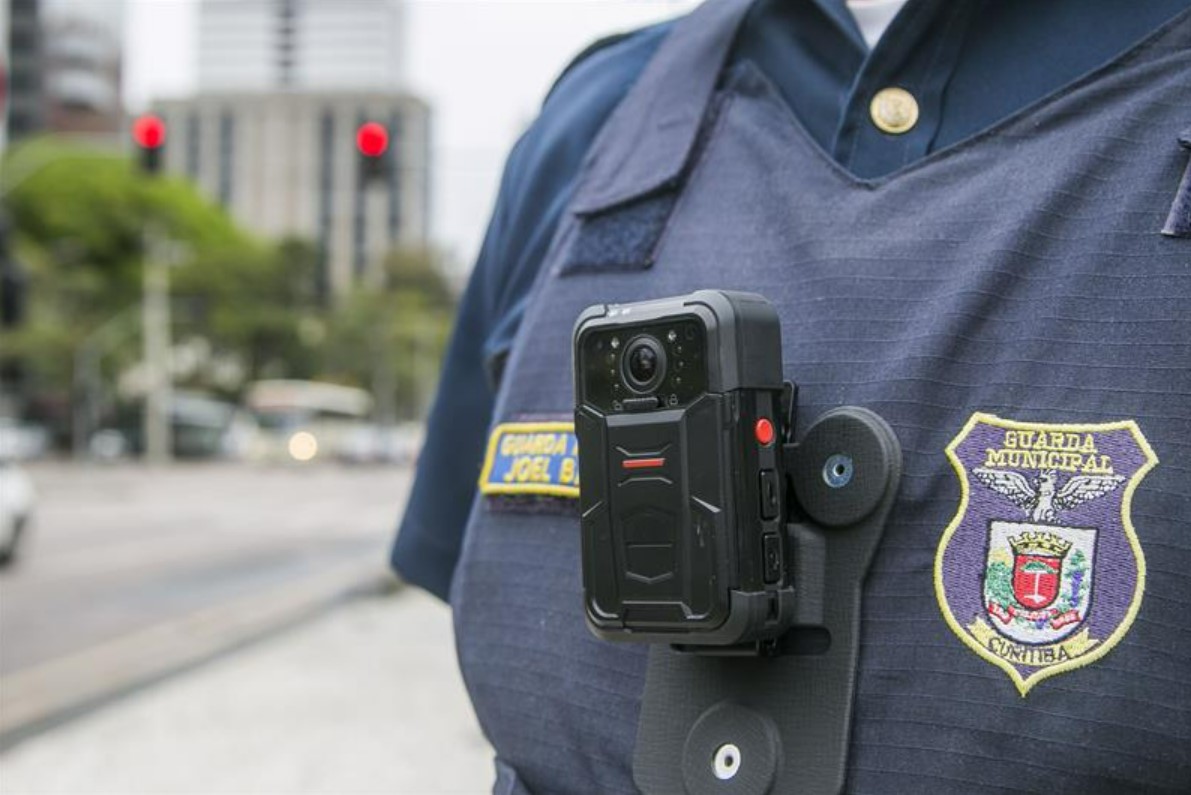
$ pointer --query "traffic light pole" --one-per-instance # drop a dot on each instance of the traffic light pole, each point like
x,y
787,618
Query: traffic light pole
x,y
149,135
372,144
155,321
88,377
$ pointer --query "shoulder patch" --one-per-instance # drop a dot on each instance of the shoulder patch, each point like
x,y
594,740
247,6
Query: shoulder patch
x,y
1040,571
532,458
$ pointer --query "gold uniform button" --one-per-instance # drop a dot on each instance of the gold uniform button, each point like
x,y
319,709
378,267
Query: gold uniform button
x,y
894,110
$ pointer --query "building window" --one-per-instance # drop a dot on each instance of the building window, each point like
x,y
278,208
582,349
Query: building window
x,y
194,141
286,23
326,197
394,177
425,120
359,226
227,153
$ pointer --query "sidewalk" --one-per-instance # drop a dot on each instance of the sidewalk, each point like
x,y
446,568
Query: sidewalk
x,y
365,699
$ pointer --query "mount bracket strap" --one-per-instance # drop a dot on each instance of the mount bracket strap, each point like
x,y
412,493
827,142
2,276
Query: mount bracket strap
x,y
733,725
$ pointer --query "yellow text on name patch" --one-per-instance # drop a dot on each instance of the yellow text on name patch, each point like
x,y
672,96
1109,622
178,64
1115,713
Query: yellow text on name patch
x,y
532,458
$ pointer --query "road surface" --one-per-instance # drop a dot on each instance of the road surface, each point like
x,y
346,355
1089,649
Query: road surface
x,y
131,573
367,698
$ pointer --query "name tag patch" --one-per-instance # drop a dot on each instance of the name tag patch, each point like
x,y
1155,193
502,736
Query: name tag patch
x,y
532,458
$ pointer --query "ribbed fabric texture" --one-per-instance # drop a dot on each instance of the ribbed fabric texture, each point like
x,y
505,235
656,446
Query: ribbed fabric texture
x,y
1023,273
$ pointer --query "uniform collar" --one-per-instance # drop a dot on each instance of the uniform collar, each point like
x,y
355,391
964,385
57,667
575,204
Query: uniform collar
x,y
837,11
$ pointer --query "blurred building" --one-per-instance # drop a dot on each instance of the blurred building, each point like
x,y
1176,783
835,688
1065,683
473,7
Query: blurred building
x,y
24,103
306,45
4,72
285,163
282,87
63,64
82,52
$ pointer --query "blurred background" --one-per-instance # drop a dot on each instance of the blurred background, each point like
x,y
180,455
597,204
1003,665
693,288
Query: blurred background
x,y
233,234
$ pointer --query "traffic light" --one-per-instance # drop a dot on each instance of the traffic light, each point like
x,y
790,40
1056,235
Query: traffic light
x,y
372,142
148,132
14,297
13,282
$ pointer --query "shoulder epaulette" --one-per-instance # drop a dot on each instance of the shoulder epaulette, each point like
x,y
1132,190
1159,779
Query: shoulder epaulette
x,y
588,51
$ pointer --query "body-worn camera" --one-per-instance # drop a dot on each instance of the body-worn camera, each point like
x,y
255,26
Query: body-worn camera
x,y
681,414
708,526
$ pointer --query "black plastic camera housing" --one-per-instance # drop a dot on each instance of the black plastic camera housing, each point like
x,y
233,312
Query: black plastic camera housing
x,y
681,421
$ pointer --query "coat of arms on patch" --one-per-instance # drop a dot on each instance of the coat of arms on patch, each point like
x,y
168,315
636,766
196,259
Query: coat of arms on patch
x,y
1040,571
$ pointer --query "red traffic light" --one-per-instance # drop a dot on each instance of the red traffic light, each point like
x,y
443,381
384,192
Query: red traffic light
x,y
148,131
372,139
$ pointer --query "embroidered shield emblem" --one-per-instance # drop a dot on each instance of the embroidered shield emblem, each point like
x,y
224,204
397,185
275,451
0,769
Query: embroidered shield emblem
x,y
1040,570
1036,578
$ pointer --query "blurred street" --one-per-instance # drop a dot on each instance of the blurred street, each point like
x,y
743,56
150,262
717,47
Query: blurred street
x,y
365,699
130,573
234,241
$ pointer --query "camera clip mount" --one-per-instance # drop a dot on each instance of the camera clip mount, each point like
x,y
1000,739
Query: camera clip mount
x,y
777,717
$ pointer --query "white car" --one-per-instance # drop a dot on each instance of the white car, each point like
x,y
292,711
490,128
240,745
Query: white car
x,y
16,508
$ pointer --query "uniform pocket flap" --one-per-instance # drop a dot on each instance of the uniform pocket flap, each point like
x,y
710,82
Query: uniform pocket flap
x,y
622,239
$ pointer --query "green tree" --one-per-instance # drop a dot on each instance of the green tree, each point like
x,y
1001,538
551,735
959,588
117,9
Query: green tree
x,y
254,304
79,220
390,337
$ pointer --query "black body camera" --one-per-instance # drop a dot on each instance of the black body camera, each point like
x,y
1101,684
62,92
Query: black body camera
x,y
708,527
681,414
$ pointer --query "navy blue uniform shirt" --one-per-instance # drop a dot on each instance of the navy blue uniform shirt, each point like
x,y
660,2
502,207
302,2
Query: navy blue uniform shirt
x,y
969,64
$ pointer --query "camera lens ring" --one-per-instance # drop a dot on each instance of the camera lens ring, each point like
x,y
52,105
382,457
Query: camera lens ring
x,y
643,364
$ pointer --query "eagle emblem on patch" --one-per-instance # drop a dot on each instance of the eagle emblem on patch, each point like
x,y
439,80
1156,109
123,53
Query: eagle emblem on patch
x,y
1040,571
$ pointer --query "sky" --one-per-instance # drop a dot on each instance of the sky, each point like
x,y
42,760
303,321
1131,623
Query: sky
x,y
483,65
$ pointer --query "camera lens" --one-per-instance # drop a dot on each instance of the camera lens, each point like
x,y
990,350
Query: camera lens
x,y
644,363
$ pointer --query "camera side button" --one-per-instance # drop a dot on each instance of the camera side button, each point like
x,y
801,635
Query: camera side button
x,y
764,431
772,552
770,496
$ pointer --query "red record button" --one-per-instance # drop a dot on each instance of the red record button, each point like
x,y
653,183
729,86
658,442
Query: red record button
x,y
764,431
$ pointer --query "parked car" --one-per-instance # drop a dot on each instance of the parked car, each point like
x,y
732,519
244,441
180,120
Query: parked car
x,y
16,508
201,427
22,441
